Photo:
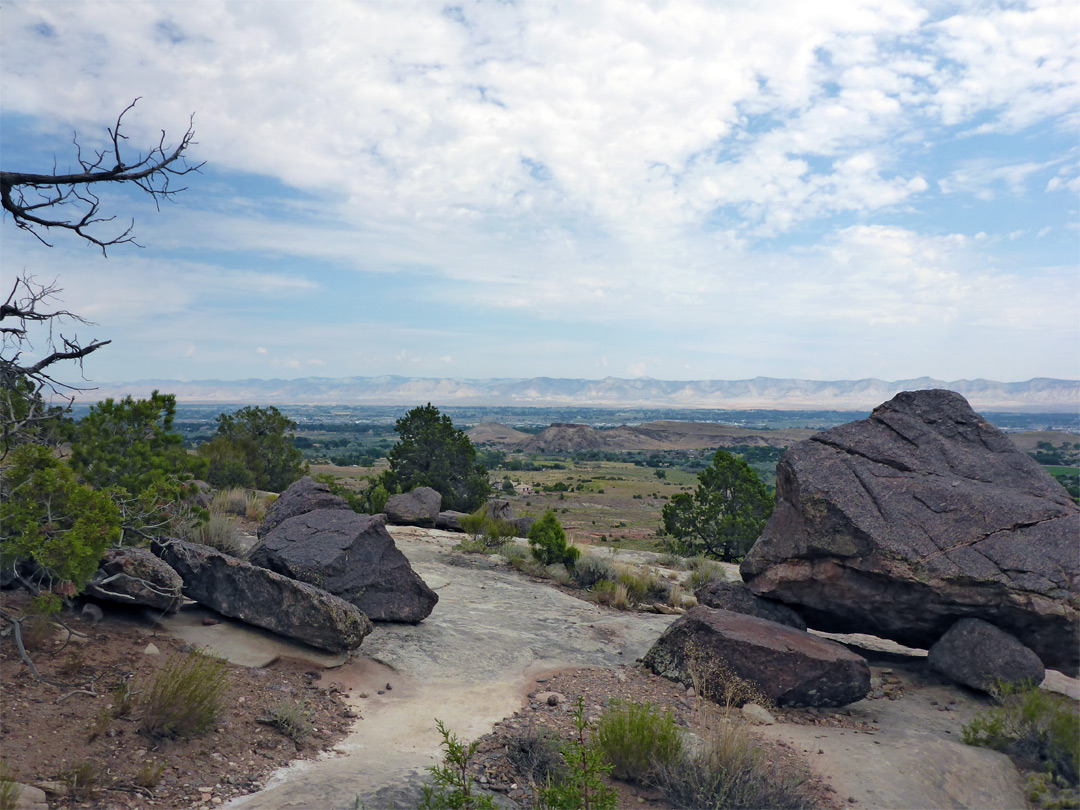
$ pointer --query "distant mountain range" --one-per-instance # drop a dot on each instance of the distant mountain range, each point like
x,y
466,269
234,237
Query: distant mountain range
x,y
1036,395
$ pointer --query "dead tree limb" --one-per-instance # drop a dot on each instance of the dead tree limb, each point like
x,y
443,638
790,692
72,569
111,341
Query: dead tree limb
x,y
41,202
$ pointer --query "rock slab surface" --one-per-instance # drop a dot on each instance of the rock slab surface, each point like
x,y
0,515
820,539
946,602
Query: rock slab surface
x,y
305,495
134,576
417,508
790,666
923,514
977,654
351,556
736,597
274,602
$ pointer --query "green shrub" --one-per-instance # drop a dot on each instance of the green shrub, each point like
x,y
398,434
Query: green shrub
x,y
548,541
703,571
82,779
590,569
185,697
583,785
452,789
149,775
637,739
9,788
1038,729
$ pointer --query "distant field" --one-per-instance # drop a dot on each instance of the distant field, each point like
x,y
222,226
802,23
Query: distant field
x,y
1059,470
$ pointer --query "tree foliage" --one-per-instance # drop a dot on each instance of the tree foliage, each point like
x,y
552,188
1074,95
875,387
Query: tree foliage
x,y
48,517
548,541
258,442
131,444
431,452
724,515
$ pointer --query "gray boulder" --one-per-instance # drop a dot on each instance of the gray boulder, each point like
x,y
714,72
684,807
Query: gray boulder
x,y
254,595
417,508
923,514
790,666
736,597
134,576
450,521
351,556
979,655
500,509
522,525
305,495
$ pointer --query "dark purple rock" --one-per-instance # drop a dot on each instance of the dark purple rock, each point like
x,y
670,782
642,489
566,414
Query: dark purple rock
x,y
134,576
417,508
736,597
923,514
979,655
351,556
305,495
254,595
790,666
450,521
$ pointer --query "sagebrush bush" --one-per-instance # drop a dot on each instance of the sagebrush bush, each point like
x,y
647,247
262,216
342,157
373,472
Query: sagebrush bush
x,y
702,571
219,533
590,569
184,699
637,739
292,719
1038,729
256,507
232,501
727,770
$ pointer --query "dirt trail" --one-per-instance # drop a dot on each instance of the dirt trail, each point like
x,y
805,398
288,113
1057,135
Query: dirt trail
x,y
469,664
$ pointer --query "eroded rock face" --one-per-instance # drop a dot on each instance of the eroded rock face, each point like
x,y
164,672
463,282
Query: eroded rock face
x,y
265,599
417,508
979,655
351,556
305,495
736,597
134,576
791,666
923,514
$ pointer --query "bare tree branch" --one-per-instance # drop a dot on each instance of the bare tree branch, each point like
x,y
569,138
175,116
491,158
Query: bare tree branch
x,y
24,194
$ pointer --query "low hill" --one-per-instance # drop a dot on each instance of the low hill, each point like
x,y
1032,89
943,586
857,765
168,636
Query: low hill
x,y
564,438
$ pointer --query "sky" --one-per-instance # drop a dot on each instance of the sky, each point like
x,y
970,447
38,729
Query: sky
x,y
678,190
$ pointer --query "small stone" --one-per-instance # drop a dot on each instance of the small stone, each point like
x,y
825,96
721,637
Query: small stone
x,y
151,649
92,613
388,687
210,621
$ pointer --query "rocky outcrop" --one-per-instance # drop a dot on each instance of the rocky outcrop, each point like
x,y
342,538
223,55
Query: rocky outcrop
x,y
790,666
134,576
736,597
351,556
923,514
305,495
417,508
979,655
265,599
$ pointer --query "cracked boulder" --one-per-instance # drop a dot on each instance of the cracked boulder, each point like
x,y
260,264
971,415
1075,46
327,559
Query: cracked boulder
x,y
351,556
134,576
706,647
901,524
305,495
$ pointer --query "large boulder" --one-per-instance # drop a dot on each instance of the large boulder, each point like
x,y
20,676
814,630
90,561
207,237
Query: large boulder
x,y
450,521
305,495
923,514
417,508
736,597
134,576
351,556
979,655
790,666
265,599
